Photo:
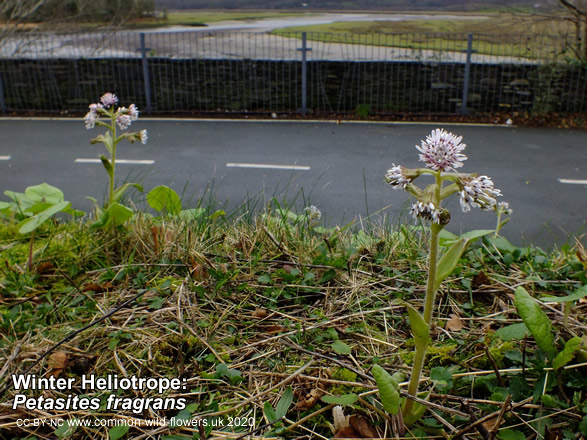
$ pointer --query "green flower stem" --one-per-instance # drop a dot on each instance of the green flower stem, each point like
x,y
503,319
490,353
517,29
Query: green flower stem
x,y
112,160
421,350
432,262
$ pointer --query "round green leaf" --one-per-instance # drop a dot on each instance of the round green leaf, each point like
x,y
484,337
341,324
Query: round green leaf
x,y
341,348
117,432
44,193
162,198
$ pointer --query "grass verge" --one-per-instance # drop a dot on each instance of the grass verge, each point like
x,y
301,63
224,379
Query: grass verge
x,y
268,320
494,34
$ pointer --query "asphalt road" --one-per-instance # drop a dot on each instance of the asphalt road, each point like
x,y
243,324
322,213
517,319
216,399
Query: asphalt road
x,y
339,168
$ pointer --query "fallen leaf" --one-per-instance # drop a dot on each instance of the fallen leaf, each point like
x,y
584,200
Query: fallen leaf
x,y
490,424
581,254
480,279
45,267
455,323
362,426
57,362
288,268
97,288
275,329
347,432
309,400
156,232
260,313
199,272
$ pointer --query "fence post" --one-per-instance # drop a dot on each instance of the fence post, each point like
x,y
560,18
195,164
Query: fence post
x,y
146,78
467,74
304,49
2,102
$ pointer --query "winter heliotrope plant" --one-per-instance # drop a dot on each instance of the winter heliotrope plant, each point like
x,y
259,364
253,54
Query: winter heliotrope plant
x,y
107,114
442,154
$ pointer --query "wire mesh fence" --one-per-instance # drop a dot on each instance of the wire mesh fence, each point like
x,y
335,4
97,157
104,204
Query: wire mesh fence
x,y
201,71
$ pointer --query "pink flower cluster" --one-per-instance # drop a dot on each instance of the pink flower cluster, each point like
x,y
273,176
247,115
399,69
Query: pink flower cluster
x,y
442,150
124,116
396,178
427,211
478,192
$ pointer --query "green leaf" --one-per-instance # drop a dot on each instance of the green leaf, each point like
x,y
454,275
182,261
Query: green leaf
x,y
117,432
32,223
270,413
510,434
216,214
536,321
191,214
420,329
264,279
284,403
549,401
442,378
118,214
583,426
581,292
341,348
102,221
162,198
66,430
107,165
181,417
38,207
564,357
475,234
119,192
344,400
447,236
388,389
44,193
513,332
500,243
418,410
222,370
449,261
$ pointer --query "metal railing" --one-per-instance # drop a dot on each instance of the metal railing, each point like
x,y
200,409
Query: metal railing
x,y
201,71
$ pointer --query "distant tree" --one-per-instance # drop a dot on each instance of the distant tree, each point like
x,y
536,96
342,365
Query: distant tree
x,y
63,15
577,14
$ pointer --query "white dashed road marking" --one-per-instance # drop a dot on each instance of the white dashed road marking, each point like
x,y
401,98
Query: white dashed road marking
x,y
120,161
268,166
4,157
573,181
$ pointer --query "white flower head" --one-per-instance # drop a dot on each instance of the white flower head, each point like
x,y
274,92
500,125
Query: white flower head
x,y
396,178
442,150
90,119
109,99
123,119
504,207
426,211
133,112
313,213
477,192
95,107
143,136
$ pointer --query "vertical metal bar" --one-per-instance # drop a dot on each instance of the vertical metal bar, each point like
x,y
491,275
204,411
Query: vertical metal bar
x,y
146,78
304,74
2,101
467,73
